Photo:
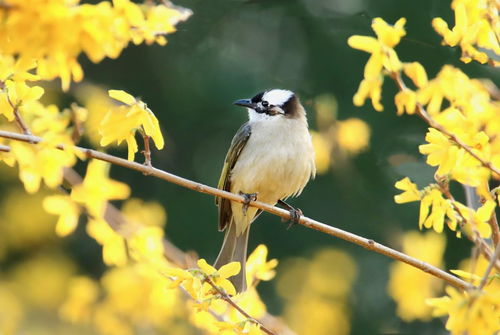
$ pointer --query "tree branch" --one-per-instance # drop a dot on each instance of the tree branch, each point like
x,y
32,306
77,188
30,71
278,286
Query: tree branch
x,y
230,301
305,221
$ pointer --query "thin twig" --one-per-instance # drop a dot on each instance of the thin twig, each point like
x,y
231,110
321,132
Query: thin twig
x,y
490,267
147,150
396,76
305,221
230,301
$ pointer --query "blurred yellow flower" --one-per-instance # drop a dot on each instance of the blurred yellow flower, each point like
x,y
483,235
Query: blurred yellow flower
x,y
12,310
97,188
142,213
41,162
411,192
473,313
479,218
68,212
315,285
322,149
406,100
120,124
78,306
408,286
67,28
353,135
114,250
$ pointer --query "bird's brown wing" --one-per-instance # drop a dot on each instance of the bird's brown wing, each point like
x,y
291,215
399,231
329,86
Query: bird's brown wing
x,y
238,143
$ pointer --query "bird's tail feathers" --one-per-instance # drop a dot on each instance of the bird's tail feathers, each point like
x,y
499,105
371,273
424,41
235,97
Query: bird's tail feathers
x,y
234,249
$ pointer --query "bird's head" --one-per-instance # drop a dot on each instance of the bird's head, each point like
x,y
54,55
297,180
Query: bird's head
x,y
276,103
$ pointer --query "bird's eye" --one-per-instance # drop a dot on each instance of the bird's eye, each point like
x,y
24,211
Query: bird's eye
x,y
265,103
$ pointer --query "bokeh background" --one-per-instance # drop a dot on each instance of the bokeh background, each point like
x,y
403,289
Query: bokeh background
x,y
233,49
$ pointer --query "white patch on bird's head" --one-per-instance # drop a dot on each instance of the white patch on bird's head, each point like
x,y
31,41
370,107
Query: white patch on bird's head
x,y
277,97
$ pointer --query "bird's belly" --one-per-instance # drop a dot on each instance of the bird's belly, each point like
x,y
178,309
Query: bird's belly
x,y
273,173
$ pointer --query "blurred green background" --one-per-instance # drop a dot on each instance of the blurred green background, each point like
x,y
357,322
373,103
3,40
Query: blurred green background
x,y
232,49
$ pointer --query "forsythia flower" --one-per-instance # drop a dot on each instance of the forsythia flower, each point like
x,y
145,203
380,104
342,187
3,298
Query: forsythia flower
x,y
382,57
120,124
41,162
99,30
83,293
67,210
353,135
479,218
219,277
473,313
411,192
408,286
114,250
434,209
476,28
258,267
97,188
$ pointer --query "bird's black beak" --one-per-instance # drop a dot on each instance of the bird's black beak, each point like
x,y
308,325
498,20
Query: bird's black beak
x,y
245,103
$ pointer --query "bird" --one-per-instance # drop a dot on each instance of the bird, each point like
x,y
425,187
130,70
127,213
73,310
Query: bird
x,y
270,158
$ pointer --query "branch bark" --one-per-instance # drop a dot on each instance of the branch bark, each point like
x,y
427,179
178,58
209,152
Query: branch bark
x,y
305,221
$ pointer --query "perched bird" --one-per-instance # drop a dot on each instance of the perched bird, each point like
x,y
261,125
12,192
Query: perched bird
x,y
271,158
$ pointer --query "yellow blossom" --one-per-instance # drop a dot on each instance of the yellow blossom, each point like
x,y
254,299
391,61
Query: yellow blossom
x,y
440,152
114,250
219,277
120,124
475,30
322,149
480,217
416,72
41,162
67,210
353,135
387,34
97,188
258,267
369,88
434,209
473,313
411,192
83,293
408,286
406,100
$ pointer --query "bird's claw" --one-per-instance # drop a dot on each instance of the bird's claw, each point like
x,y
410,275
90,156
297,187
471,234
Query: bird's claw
x,y
295,214
248,197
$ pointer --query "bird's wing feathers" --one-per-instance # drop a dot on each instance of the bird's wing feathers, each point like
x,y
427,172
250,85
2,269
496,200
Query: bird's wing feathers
x,y
237,145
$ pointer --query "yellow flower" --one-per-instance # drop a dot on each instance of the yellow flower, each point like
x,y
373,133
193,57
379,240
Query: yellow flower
x,y
411,192
353,135
83,293
434,209
258,267
147,244
416,72
322,149
67,210
387,34
440,152
120,124
409,287
41,162
114,250
371,88
480,218
476,28
406,100
472,313
219,277
97,188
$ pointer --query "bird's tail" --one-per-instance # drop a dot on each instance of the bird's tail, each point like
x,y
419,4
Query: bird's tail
x,y
234,249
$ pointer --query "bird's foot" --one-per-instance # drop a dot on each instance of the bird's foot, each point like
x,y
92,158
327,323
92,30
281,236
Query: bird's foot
x,y
248,197
295,214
